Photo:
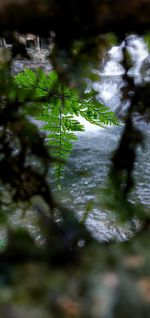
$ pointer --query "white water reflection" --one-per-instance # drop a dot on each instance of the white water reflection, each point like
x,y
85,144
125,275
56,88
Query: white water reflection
x,y
88,127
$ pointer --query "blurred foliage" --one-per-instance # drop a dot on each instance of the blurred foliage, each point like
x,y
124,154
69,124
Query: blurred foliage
x,y
69,274
147,39
81,59
24,165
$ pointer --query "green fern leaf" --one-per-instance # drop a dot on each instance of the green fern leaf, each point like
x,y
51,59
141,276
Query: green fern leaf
x,y
57,106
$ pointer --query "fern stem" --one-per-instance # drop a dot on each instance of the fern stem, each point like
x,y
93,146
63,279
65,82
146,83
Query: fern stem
x,y
63,97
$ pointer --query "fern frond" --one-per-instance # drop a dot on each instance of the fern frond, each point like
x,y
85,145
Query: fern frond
x,y
57,106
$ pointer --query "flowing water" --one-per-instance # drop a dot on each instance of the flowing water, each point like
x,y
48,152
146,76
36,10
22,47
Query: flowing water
x,y
86,171
86,174
87,168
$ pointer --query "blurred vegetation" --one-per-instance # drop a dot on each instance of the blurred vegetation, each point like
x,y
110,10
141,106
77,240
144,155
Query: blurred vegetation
x,y
67,273
147,39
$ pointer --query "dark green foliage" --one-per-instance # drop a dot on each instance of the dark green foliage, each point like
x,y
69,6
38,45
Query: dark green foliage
x,y
147,39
